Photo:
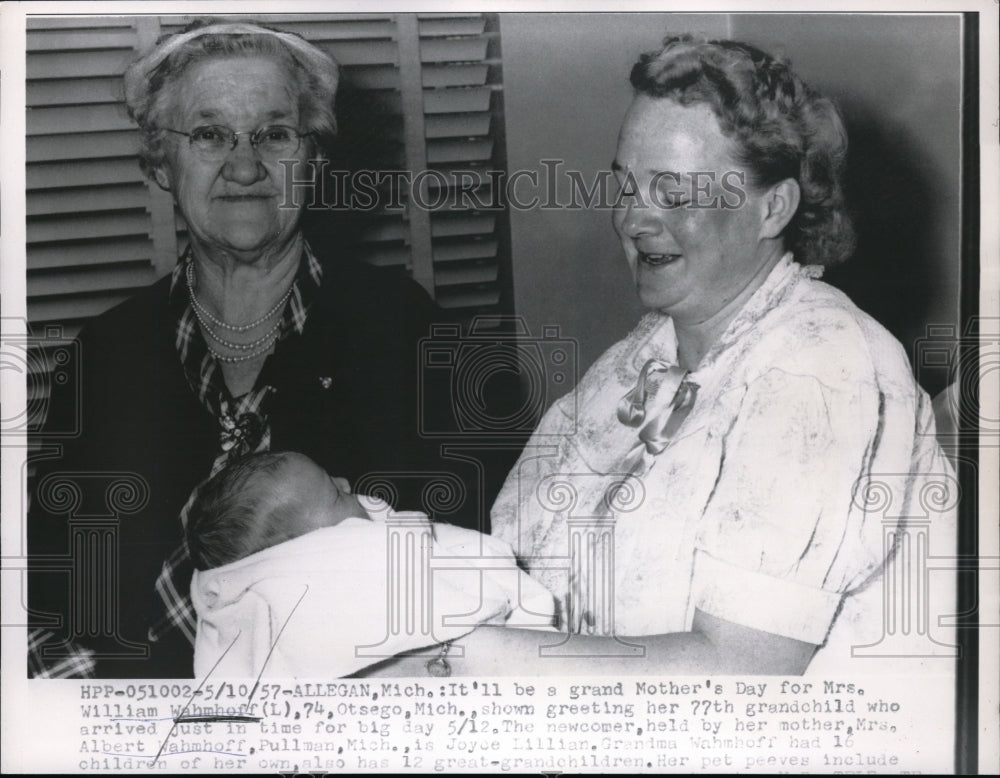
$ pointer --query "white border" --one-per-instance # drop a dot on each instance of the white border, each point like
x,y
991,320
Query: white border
x,y
12,277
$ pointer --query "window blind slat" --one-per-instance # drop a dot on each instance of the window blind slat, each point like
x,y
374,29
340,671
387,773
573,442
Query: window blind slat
x,y
463,180
471,274
290,19
466,224
93,280
79,118
48,203
457,100
464,176
453,49
457,125
78,64
50,148
69,309
49,230
84,90
299,23
68,40
454,75
462,250
85,24
102,252
441,27
464,201
367,29
83,173
363,52
478,150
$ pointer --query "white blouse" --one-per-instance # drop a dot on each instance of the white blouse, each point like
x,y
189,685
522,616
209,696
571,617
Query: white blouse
x,y
776,501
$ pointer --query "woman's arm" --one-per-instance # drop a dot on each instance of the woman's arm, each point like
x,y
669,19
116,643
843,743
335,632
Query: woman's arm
x,y
713,645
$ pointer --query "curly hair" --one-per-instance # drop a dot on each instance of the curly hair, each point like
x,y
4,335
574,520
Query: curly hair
x,y
151,82
235,513
781,128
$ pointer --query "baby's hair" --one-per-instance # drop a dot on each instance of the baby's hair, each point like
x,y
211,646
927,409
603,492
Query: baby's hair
x,y
239,511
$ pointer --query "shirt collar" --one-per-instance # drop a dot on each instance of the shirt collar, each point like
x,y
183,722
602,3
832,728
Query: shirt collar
x,y
200,367
308,280
662,339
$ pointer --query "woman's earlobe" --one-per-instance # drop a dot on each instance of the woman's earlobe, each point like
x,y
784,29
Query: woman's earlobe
x,y
162,179
781,204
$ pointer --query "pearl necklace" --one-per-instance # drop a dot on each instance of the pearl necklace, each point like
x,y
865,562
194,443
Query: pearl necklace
x,y
225,325
255,348
242,357
232,345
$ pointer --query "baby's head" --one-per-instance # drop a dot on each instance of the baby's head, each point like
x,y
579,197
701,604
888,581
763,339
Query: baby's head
x,y
262,500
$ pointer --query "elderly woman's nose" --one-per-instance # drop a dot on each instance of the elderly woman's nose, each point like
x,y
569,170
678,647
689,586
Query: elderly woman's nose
x,y
243,164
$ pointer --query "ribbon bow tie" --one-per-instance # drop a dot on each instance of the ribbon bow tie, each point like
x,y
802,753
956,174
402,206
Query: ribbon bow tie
x,y
662,398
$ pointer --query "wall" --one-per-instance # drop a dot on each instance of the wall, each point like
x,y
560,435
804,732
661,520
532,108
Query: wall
x,y
897,80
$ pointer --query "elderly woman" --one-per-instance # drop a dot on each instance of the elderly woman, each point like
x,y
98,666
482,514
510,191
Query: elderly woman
x,y
705,501
252,343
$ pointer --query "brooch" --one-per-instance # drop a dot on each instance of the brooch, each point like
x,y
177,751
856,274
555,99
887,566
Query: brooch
x,y
241,435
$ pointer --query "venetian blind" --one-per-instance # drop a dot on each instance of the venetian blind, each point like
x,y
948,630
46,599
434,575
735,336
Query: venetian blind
x,y
419,92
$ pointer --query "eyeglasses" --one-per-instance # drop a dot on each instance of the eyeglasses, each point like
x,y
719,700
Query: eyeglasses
x,y
215,141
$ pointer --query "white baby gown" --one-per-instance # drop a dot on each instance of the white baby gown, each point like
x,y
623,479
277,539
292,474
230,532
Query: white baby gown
x,y
338,599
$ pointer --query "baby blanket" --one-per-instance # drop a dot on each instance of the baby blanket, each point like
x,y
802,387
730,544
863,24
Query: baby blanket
x,y
338,599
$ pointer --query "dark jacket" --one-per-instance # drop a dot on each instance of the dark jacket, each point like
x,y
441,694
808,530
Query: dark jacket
x,y
348,396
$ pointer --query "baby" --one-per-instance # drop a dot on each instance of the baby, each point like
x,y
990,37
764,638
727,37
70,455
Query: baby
x,y
262,500
297,577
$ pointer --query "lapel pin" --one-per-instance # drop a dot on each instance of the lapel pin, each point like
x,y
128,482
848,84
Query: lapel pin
x,y
325,381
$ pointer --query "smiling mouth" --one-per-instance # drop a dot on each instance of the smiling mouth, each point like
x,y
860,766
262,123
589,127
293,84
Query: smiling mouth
x,y
244,198
657,260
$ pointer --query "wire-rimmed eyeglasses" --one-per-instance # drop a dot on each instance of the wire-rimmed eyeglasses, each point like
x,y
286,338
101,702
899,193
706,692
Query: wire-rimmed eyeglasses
x,y
215,141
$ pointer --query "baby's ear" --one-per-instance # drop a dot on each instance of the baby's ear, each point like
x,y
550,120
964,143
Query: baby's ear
x,y
341,483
